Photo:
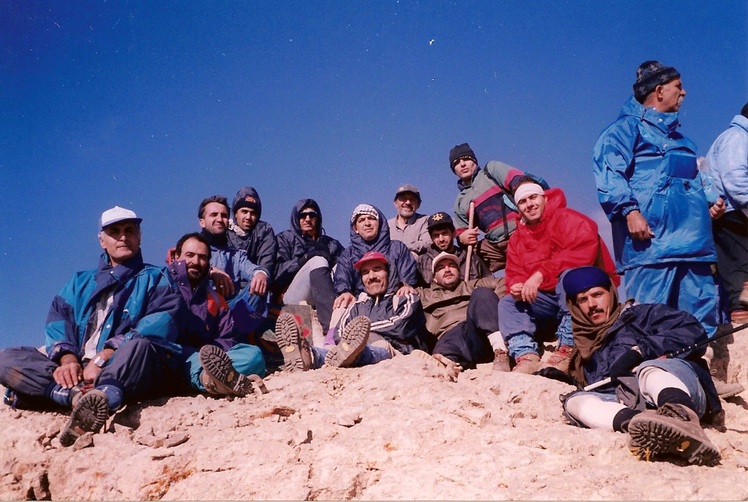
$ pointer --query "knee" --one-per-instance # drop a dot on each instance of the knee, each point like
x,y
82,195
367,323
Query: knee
x,y
317,262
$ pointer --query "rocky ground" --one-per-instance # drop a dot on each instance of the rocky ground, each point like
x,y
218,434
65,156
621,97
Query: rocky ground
x,y
397,430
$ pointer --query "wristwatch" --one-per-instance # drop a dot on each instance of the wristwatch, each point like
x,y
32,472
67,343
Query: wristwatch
x,y
99,361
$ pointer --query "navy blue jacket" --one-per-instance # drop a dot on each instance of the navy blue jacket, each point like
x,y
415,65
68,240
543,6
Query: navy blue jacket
x,y
259,243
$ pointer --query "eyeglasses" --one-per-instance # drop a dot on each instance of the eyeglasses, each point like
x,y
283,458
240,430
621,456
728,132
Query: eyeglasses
x,y
310,214
460,159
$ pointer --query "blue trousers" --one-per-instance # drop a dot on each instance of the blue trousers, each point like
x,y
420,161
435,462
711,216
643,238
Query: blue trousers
x,y
246,359
690,287
370,355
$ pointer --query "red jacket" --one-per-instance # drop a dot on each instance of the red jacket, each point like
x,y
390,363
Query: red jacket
x,y
563,239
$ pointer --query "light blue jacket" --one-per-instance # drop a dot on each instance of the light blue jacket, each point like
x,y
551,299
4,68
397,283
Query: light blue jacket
x,y
728,164
642,162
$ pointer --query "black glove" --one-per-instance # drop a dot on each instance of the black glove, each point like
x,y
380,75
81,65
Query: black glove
x,y
556,374
624,364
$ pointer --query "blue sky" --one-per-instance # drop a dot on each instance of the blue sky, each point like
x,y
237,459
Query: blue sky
x,y
156,105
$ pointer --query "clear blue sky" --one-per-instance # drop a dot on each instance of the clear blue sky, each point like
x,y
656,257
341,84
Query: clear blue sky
x,y
155,105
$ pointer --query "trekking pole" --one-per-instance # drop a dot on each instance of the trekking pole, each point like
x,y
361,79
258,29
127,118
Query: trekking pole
x,y
676,353
471,218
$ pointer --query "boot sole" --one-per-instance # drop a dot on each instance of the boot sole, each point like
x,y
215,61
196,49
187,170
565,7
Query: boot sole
x,y
654,436
88,415
288,337
352,342
219,368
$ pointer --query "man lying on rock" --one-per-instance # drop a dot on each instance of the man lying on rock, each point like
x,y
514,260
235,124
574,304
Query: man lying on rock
x,y
378,326
657,401
213,359
109,337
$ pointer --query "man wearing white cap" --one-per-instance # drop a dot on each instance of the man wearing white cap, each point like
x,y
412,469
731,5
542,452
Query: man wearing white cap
x,y
550,238
108,337
409,226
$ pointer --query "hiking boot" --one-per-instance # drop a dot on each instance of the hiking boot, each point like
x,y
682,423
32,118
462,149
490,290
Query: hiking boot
x,y
89,414
297,355
352,342
528,363
561,358
673,429
739,316
727,390
500,360
219,376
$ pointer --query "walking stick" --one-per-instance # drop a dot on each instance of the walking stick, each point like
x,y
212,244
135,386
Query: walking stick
x,y
471,218
676,353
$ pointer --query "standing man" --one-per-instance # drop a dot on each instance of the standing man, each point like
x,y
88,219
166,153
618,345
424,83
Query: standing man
x,y
727,162
658,401
409,226
109,338
248,232
490,189
650,189
442,234
213,359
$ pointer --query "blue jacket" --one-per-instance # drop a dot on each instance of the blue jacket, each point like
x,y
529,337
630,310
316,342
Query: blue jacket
x,y
294,248
656,329
642,162
233,261
144,304
207,319
402,267
728,164
259,243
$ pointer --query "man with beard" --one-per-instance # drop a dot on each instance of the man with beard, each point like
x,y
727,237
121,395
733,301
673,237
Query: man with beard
x,y
463,315
248,232
409,226
442,234
369,233
213,360
658,401
110,337
380,325
306,257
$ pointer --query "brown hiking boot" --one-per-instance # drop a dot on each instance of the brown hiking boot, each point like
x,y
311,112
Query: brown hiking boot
x,y
500,360
219,376
727,390
89,414
528,363
352,342
297,355
673,429
561,358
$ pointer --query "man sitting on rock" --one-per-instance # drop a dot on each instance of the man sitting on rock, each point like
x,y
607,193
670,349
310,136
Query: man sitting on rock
x,y
390,324
213,359
550,238
109,338
442,233
658,401
408,225
463,315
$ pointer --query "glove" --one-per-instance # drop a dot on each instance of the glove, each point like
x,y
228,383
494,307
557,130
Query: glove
x,y
624,364
556,374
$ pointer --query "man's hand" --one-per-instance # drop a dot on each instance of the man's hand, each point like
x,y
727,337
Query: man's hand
x,y
530,287
405,289
516,290
259,284
222,281
91,372
717,210
69,373
343,300
638,226
469,236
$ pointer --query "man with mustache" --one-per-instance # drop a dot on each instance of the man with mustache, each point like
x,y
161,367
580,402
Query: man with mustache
x,y
658,401
110,337
549,239
213,359
409,226
656,200
380,325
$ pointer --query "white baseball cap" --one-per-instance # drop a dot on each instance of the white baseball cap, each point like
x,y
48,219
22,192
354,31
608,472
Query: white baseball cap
x,y
117,214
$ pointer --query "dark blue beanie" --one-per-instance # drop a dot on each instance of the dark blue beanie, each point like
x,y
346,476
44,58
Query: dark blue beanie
x,y
580,279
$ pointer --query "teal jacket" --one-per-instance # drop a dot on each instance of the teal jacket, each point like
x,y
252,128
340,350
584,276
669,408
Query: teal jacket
x,y
642,162
145,304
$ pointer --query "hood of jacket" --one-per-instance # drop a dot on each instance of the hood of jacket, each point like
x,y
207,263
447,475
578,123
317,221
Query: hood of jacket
x,y
381,241
302,204
248,192
667,122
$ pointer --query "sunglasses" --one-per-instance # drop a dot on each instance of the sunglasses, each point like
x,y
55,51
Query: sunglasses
x,y
310,214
